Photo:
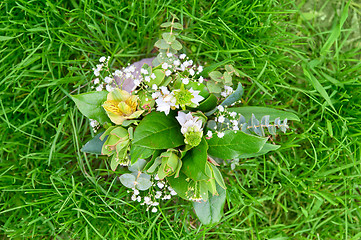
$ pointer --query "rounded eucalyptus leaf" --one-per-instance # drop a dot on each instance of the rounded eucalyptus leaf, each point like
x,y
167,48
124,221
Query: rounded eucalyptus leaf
x,y
143,183
127,180
138,165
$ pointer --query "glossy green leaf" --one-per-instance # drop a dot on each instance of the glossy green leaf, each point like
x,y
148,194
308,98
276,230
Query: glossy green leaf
x,y
94,145
90,105
139,152
265,149
158,131
208,104
259,112
233,144
194,162
218,176
159,77
211,211
138,165
179,184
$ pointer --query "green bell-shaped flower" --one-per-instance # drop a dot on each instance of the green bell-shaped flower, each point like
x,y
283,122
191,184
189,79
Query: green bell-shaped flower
x,y
117,145
169,162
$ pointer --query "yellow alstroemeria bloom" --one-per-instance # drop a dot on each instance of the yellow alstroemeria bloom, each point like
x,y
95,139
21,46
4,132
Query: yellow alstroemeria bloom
x,y
121,105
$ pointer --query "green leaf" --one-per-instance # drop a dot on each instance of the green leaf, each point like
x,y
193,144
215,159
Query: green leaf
x,y
139,152
259,112
213,87
234,144
162,44
158,131
159,77
177,26
143,183
194,162
235,96
218,176
166,24
168,37
211,211
137,166
179,185
208,104
127,180
265,149
216,76
176,45
90,105
95,145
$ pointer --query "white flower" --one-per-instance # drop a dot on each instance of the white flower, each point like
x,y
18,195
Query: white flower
x,y
128,75
163,106
154,209
155,204
182,56
200,79
221,119
224,94
147,78
154,96
168,72
154,87
220,134
165,65
169,54
187,121
173,193
209,133
156,177
143,71
164,90
109,88
136,82
134,197
147,200
153,76
118,73
158,194
93,123
96,81
196,97
176,62
136,192
102,59
228,89
235,127
191,72
200,69
131,68
160,185
96,72
99,88
185,81
233,114
108,80
220,108
234,122
139,198
186,63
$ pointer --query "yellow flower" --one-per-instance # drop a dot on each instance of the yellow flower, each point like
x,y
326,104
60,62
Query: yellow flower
x,y
121,105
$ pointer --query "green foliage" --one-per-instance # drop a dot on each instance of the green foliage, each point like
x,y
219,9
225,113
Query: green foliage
x,y
94,145
158,131
234,144
89,104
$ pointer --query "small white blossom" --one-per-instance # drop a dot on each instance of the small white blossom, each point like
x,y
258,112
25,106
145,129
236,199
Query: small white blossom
x,y
147,200
169,54
155,204
220,108
220,134
128,75
147,78
164,90
158,194
136,191
200,69
200,79
93,123
99,88
131,68
118,73
173,193
235,127
136,82
185,81
221,119
153,76
96,72
186,63
96,81
160,185
102,59
108,80
191,72
134,197
188,121
156,177
154,87
154,96
176,62
109,88
165,65
196,97
182,56
154,209
233,114
168,72
143,71
209,133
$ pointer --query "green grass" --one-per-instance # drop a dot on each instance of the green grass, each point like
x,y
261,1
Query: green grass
x,y
303,56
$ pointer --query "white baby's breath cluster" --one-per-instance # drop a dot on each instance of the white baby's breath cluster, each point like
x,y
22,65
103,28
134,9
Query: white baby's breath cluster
x,y
104,79
94,124
161,191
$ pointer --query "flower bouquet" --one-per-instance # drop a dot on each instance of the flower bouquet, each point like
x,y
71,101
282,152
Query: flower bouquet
x,y
173,123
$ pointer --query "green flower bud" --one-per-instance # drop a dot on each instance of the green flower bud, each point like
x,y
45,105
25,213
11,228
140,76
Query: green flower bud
x,y
169,162
117,143
193,138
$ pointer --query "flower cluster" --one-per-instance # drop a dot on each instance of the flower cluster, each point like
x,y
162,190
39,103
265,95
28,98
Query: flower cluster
x,y
167,118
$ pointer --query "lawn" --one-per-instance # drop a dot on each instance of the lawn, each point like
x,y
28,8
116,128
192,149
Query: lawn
x,y
300,56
